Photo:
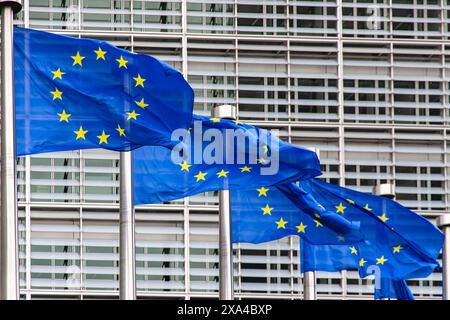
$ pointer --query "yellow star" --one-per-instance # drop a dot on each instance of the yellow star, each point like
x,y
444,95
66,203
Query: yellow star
x,y
237,122
80,133
281,224
222,174
139,81
340,208
77,59
262,191
367,207
245,169
122,62
132,115
381,260
317,215
100,53
200,176
120,130
267,210
397,249
350,201
301,228
266,149
58,74
383,217
215,119
64,116
353,250
103,138
56,94
362,262
263,161
185,166
141,103
318,224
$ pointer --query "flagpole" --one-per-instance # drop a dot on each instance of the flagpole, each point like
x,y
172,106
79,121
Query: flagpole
x,y
309,277
385,190
226,291
9,257
443,222
127,269
309,285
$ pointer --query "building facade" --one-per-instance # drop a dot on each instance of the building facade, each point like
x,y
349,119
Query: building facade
x,y
364,81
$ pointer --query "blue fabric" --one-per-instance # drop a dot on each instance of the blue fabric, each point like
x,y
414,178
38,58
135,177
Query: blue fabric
x,y
386,225
393,289
304,201
251,223
417,230
160,178
329,258
396,241
96,91
334,258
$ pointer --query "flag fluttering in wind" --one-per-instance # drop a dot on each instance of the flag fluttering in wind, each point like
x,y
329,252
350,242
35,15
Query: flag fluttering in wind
x,y
334,258
75,93
400,242
264,214
397,242
219,154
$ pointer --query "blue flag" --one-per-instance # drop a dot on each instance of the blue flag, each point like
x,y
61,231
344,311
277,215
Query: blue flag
x,y
393,289
329,258
334,258
75,93
218,154
396,241
258,218
401,243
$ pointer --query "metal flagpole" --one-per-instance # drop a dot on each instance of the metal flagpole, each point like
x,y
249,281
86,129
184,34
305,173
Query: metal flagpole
x,y
385,190
9,258
127,269
225,249
443,222
309,286
309,278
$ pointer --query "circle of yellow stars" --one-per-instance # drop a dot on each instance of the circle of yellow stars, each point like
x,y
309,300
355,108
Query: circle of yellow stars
x,y
64,116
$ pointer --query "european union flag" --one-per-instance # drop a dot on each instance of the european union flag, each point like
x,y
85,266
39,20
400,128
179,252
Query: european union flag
x,y
75,93
395,240
400,242
334,258
217,154
260,217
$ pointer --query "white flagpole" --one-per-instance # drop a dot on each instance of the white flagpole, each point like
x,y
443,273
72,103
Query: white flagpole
x,y
127,268
444,223
309,278
385,190
226,291
309,285
9,257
